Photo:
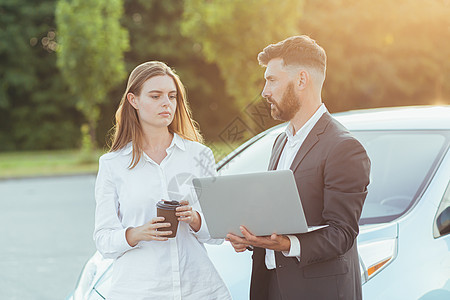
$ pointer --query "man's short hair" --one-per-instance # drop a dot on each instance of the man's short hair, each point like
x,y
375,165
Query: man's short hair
x,y
296,50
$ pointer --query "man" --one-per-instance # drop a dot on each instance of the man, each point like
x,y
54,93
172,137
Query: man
x,y
331,170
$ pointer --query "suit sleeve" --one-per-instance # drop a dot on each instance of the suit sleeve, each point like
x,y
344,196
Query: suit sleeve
x,y
346,176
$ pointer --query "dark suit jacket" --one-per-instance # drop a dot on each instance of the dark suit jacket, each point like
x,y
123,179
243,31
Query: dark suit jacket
x,y
331,170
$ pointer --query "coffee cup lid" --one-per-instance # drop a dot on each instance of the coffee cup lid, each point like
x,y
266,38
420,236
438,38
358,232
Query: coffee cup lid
x,y
164,204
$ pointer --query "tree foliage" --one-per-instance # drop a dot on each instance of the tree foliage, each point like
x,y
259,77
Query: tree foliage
x,y
36,110
382,53
233,32
90,55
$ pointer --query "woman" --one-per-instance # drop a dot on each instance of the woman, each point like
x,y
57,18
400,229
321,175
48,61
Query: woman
x,y
156,148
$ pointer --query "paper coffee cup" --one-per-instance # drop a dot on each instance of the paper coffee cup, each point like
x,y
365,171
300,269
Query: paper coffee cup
x,y
167,210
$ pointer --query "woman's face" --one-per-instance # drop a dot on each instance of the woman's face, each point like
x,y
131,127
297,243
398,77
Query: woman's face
x,y
157,101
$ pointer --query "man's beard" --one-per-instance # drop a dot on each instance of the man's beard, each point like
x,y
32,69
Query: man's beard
x,y
288,106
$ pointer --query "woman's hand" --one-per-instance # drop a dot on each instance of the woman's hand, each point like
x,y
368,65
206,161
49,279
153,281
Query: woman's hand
x,y
186,214
148,232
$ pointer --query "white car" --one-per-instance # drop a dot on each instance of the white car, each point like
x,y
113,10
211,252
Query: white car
x,y
404,240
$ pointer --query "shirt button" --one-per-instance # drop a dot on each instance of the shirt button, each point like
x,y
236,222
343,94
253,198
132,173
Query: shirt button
x,y
280,266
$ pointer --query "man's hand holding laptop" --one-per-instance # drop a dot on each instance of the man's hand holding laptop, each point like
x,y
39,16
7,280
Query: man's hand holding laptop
x,y
275,242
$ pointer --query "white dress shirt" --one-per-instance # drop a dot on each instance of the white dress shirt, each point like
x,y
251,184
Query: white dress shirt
x,y
175,269
293,144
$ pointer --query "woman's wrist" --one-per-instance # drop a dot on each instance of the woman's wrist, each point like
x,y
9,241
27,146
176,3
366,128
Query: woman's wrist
x,y
132,236
196,223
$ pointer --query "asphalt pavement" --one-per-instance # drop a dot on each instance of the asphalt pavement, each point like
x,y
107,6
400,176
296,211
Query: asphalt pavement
x,y
46,229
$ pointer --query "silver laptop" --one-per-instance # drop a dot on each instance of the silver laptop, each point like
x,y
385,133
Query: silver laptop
x,y
264,203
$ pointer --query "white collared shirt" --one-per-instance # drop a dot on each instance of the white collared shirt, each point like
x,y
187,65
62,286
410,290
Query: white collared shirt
x,y
293,144
175,269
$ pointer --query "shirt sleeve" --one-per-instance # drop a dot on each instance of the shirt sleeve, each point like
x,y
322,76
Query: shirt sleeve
x,y
109,234
207,166
295,249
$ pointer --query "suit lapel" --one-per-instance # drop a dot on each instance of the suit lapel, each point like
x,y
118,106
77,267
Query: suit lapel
x,y
277,149
311,140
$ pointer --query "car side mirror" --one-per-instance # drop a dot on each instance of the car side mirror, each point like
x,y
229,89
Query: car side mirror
x,y
443,221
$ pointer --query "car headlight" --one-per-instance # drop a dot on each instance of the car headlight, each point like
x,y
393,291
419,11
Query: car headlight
x,y
375,256
87,277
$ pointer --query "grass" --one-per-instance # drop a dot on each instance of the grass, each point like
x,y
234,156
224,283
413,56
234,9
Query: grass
x,y
47,163
64,162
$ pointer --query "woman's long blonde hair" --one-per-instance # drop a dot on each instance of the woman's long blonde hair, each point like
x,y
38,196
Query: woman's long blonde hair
x,y
128,127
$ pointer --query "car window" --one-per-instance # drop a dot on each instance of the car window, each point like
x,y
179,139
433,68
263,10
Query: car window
x,y
402,164
441,216
253,159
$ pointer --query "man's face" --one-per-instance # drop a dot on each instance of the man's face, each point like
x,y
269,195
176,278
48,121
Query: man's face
x,y
279,91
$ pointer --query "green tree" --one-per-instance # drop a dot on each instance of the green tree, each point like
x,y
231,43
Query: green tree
x,y
36,110
231,33
90,55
